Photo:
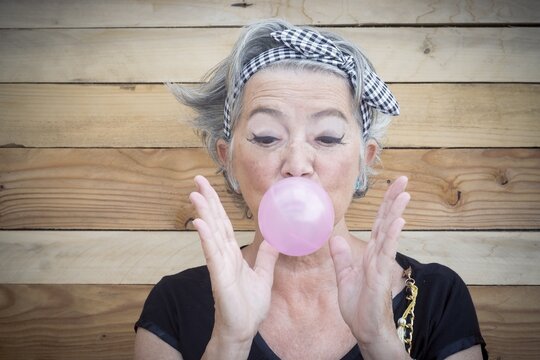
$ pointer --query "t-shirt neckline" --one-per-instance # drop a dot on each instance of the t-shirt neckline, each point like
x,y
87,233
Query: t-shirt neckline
x,y
355,351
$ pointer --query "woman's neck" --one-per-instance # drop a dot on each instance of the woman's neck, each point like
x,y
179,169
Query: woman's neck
x,y
305,274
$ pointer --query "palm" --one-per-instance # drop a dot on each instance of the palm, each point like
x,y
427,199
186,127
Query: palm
x,y
364,284
242,294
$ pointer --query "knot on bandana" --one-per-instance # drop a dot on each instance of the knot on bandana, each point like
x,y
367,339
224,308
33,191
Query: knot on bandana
x,y
316,47
310,45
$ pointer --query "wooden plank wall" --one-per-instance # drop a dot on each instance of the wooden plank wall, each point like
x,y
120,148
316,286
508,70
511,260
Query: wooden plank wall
x,y
96,160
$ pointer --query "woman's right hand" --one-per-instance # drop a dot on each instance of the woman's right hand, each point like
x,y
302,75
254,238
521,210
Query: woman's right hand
x,y
241,293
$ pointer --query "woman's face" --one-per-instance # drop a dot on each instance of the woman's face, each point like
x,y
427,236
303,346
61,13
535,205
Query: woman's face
x,y
296,123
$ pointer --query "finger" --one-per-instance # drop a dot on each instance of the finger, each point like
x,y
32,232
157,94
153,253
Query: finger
x,y
266,262
210,249
390,246
376,226
341,256
397,187
212,199
381,260
369,254
396,211
211,195
220,217
203,209
212,232
386,257
205,204
388,237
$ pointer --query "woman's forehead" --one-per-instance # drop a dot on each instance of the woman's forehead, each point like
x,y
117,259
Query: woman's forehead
x,y
303,98
315,88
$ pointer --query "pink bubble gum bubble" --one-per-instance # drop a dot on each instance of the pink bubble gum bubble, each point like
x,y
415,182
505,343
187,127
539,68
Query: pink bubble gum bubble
x,y
296,216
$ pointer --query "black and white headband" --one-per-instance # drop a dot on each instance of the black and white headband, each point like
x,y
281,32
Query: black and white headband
x,y
309,45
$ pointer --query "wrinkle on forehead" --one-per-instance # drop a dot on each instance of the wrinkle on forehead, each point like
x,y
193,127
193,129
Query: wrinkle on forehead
x,y
268,88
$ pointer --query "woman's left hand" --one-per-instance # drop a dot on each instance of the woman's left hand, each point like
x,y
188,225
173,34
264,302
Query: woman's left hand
x,y
365,284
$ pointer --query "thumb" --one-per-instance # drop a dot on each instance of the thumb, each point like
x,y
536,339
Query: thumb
x,y
341,255
266,262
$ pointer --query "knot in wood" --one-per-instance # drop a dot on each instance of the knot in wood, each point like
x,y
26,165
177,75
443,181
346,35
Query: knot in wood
x,y
502,177
455,198
453,195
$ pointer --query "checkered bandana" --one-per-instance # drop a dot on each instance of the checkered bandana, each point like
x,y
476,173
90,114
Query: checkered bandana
x,y
307,44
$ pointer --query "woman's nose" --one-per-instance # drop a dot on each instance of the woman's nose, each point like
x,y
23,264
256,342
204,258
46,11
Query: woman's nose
x,y
297,161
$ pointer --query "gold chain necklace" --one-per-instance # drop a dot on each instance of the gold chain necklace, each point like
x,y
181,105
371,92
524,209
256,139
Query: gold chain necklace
x,y
406,321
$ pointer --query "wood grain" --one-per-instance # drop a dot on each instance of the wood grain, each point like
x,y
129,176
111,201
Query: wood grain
x,y
141,115
502,54
509,319
96,321
69,321
82,79
143,257
148,189
149,13
52,115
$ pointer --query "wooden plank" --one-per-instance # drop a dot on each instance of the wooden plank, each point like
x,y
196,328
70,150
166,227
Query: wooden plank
x,y
65,13
52,115
148,189
69,321
466,115
55,115
142,257
502,54
96,321
507,315
140,115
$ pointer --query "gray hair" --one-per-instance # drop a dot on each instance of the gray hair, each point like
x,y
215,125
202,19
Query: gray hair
x,y
208,99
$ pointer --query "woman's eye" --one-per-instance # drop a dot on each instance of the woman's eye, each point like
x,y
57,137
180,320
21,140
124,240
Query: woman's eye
x,y
263,140
330,140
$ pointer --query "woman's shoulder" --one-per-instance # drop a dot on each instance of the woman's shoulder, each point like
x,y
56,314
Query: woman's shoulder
x,y
180,311
192,280
445,318
430,274
196,274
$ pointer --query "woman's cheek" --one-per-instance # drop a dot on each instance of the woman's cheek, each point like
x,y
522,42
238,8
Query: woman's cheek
x,y
341,204
341,186
254,178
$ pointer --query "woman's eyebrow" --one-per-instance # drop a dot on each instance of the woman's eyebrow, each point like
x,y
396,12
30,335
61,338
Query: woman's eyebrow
x,y
331,112
265,110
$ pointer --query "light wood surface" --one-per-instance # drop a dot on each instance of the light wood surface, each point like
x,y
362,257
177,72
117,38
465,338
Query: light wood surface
x,y
81,83
100,13
509,319
502,54
143,257
148,189
142,115
96,321
69,321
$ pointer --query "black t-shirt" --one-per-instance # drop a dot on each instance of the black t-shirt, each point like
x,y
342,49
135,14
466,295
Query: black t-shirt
x,y
180,311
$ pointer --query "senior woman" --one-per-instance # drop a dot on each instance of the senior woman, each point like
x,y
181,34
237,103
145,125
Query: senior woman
x,y
296,102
